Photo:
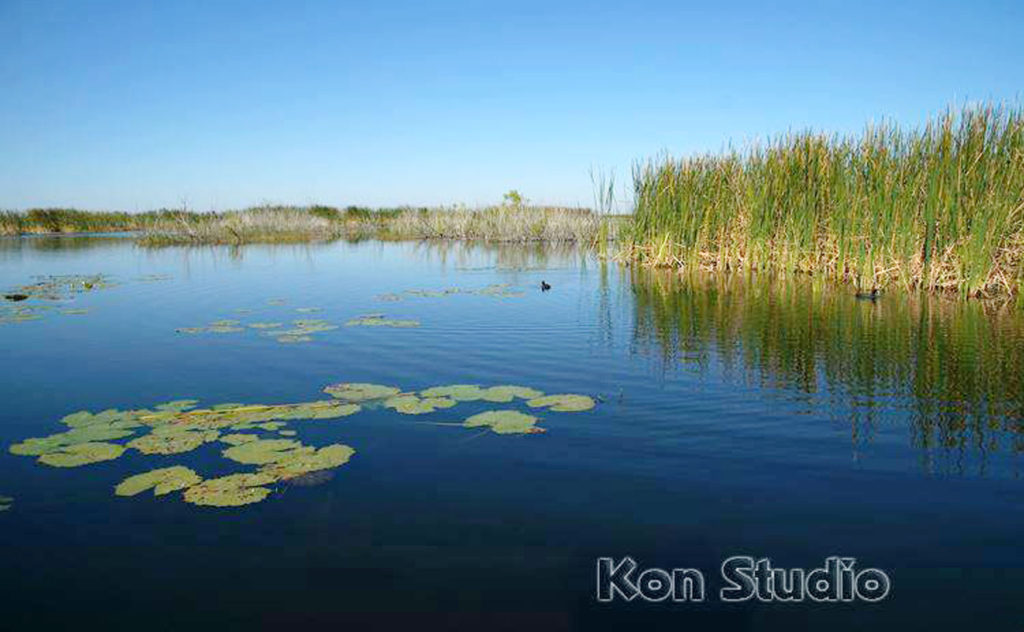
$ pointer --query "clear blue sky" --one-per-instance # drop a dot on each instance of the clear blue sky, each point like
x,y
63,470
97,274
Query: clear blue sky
x,y
142,104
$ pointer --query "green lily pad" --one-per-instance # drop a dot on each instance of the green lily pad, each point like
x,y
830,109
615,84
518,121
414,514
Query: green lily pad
x,y
563,403
190,330
82,454
287,433
178,405
265,325
238,438
174,439
309,310
301,462
505,394
233,490
37,446
412,405
75,312
224,329
377,320
458,392
261,451
359,392
225,322
162,481
504,422
292,339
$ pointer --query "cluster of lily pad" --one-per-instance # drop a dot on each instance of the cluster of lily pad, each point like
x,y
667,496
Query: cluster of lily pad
x,y
180,426
6,502
30,302
299,330
496,290
380,320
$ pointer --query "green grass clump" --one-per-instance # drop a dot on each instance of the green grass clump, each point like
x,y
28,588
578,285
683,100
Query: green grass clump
x,y
939,207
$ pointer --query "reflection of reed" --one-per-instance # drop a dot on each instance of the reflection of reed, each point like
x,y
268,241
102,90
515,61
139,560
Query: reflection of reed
x,y
957,367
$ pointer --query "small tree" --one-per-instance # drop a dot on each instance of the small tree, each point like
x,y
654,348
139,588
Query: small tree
x,y
513,198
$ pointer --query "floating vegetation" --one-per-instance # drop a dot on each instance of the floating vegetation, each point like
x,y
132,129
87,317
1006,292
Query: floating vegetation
x,y
180,426
226,326
412,405
291,339
233,490
276,301
238,438
378,320
309,310
266,325
6,502
563,403
173,439
162,481
225,322
504,422
22,304
497,290
261,451
359,392
82,454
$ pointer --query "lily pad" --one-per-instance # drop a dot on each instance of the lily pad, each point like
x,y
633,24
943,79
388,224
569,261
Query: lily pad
x,y
238,438
412,405
359,392
504,422
309,310
292,339
224,329
307,460
563,403
174,439
506,393
225,322
162,481
190,330
233,490
458,392
82,454
6,502
377,320
262,451
265,325
75,312
287,433
178,405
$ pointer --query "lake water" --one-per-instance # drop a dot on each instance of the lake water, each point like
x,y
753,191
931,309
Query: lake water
x,y
734,417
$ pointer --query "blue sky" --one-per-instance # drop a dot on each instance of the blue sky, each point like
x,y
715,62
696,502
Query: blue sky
x,y
143,104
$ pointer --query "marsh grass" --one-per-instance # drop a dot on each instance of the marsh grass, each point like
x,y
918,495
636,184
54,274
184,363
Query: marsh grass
x,y
939,207
60,220
280,224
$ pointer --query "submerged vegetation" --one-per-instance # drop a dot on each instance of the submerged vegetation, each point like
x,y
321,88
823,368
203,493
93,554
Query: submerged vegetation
x,y
939,208
179,427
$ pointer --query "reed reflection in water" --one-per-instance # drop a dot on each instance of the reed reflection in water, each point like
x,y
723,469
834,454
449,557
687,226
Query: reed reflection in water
x,y
953,370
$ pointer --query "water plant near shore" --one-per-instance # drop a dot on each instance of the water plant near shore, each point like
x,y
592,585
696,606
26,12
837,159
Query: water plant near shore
x,y
939,208
180,426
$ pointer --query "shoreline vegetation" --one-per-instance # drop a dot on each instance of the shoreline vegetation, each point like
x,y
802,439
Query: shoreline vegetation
x,y
514,222
938,208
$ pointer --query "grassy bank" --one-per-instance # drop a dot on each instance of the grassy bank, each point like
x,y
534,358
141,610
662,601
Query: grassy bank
x,y
62,220
510,223
939,207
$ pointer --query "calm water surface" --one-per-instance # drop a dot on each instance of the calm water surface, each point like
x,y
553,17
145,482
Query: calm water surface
x,y
735,418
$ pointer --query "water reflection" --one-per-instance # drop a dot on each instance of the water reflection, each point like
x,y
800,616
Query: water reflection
x,y
955,370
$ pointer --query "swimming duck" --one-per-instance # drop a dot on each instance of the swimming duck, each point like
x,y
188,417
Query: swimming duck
x,y
544,286
868,296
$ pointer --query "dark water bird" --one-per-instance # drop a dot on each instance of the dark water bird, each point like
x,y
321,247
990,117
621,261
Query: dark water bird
x,y
15,297
868,296
544,286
